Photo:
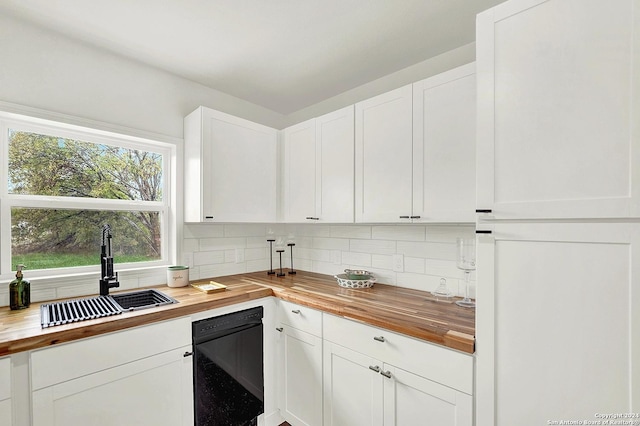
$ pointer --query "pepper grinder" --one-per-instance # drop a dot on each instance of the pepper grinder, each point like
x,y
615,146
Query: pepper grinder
x,y
271,271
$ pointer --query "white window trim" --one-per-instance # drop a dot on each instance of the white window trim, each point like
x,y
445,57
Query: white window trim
x,y
40,121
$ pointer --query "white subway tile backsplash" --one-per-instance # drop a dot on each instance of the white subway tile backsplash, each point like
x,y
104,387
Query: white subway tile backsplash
x,y
331,243
230,256
257,265
328,268
429,250
382,261
223,269
190,245
204,258
245,230
373,246
208,244
398,232
443,251
255,253
303,264
350,231
448,234
310,230
207,230
414,265
356,259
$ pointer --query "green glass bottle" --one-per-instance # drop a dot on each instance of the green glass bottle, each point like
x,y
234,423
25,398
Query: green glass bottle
x,y
19,291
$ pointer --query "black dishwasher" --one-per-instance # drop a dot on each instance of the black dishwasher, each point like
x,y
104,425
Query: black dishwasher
x,y
228,375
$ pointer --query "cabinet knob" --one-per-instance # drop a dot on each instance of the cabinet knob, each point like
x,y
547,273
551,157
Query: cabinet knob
x,y
404,217
386,374
483,210
208,217
296,311
379,338
483,231
313,218
279,329
374,368
186,354
414,217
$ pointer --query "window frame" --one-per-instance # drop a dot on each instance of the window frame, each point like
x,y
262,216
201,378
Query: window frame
x,y
166,207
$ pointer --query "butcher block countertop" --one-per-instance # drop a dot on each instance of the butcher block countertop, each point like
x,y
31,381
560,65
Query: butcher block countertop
x,y
414,313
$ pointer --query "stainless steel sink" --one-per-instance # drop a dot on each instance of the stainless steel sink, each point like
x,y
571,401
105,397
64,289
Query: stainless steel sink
x,y
68,311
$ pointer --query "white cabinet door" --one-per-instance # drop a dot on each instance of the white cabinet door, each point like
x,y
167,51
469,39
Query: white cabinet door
x,y
5,391
411,400
558,109
557,323
444,138
151,391
353,391
335,166
383,156
301,390
300,172
230,169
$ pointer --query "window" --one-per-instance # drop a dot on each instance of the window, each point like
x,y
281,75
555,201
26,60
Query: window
x,y
63,183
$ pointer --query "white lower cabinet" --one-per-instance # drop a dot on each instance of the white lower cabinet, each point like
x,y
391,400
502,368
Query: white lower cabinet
x,y
410,399
5,391
376,377
353,389
141,376
300,347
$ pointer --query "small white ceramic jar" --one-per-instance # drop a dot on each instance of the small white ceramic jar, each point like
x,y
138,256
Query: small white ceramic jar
x,y
177,276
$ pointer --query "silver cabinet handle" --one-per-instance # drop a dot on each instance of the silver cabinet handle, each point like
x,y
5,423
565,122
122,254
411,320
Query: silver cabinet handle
x,y
379,338
296,311
374,368
279,329
386,374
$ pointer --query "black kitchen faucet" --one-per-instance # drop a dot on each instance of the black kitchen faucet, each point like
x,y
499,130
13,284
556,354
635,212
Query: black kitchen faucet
x,y
107,280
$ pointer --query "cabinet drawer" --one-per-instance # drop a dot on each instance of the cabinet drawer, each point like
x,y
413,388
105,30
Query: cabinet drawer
x,y
445,366
87,356
300,317
5,373
357,336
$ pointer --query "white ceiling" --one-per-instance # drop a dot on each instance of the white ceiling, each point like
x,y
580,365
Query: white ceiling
x,y
280,54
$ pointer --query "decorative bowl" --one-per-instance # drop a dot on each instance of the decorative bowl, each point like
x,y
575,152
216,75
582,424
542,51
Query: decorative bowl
x,y
358,274
344,281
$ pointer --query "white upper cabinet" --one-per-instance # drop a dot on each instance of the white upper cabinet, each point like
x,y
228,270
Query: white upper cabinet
x,y
300,172
415,151
444,138
558,113
229,170
383,157
318,169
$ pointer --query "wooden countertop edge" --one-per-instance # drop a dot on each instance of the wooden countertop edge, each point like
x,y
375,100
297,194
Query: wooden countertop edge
x,y
448,338
243,292
91,328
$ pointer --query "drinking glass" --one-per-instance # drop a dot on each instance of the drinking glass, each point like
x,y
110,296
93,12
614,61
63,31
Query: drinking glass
x,y
466,260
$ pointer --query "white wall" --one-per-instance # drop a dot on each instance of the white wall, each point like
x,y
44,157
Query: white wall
x,y
42,69
427,68
45,70
428,250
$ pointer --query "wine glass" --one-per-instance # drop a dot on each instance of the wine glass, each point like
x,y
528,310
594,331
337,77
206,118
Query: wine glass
x,y
466,260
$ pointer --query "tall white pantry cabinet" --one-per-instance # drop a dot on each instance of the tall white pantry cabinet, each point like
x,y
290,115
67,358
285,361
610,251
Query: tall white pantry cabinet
x,y
558,199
